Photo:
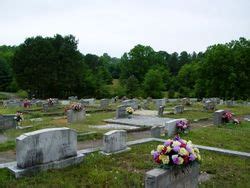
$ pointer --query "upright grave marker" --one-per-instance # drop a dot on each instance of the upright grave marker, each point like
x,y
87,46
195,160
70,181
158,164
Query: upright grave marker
x,y
114,142
45,149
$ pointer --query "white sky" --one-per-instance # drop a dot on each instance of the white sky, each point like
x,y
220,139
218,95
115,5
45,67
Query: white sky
x,y
116,26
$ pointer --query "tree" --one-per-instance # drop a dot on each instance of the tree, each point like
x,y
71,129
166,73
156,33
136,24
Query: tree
x,y
132,87
5,74
48,67
187,77
153,84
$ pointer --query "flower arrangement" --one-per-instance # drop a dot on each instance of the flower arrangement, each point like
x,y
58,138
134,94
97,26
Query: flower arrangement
x,y
182,126
18,117
129,110
227,117
76,107
51,101
176,152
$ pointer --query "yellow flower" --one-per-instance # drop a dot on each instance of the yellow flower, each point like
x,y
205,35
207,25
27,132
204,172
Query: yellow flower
x,y
176,143
183,151
169,149
189,142
181,160
160,148
196,150
152,152
198,157
165,159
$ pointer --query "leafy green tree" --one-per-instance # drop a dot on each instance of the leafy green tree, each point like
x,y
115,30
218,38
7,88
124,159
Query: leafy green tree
x,y
153,84
48,67
187,77
132,87
5,74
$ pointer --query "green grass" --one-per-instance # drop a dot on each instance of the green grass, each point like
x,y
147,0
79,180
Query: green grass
x,y
9,145
234,137
128,170
237,110
191,115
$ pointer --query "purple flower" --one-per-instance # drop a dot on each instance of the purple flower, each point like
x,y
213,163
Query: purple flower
x,y
188,148
156,154
167,143
176,148
191,157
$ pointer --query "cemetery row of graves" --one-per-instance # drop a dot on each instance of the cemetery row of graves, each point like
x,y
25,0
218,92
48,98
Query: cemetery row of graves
x,y
109,142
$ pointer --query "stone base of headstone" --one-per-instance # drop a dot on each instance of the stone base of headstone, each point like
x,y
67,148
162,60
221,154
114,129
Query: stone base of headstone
x,y
121,151
185,177
20,172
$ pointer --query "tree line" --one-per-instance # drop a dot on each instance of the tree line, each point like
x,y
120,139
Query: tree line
x,y
54,67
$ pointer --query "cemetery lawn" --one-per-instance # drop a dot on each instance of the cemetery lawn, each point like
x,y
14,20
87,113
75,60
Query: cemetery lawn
x,y
230,136
191,115
128,170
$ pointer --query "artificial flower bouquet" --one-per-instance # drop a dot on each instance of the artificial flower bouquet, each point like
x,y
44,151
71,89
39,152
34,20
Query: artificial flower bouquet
x,y
51,101
227,117
182,126
76,107
129,110
176,152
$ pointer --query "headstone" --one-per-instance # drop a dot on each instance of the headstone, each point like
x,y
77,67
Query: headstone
x,y
72,98
65,102
160,102
131,102
104,103
7,121
160,111
156,131
221,102
45,107
209,105
45,149
171,128
217,118
75,116
114,142
229,103
87,102
186,101
172,100
173,178
12,103
178,109
121,111
193,99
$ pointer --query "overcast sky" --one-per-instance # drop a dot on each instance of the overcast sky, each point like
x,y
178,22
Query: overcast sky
x,y
116,26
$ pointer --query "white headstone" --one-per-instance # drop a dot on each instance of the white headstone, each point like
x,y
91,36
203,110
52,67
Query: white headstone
x,y
114,141
171,128
44,146
75,116
217,118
